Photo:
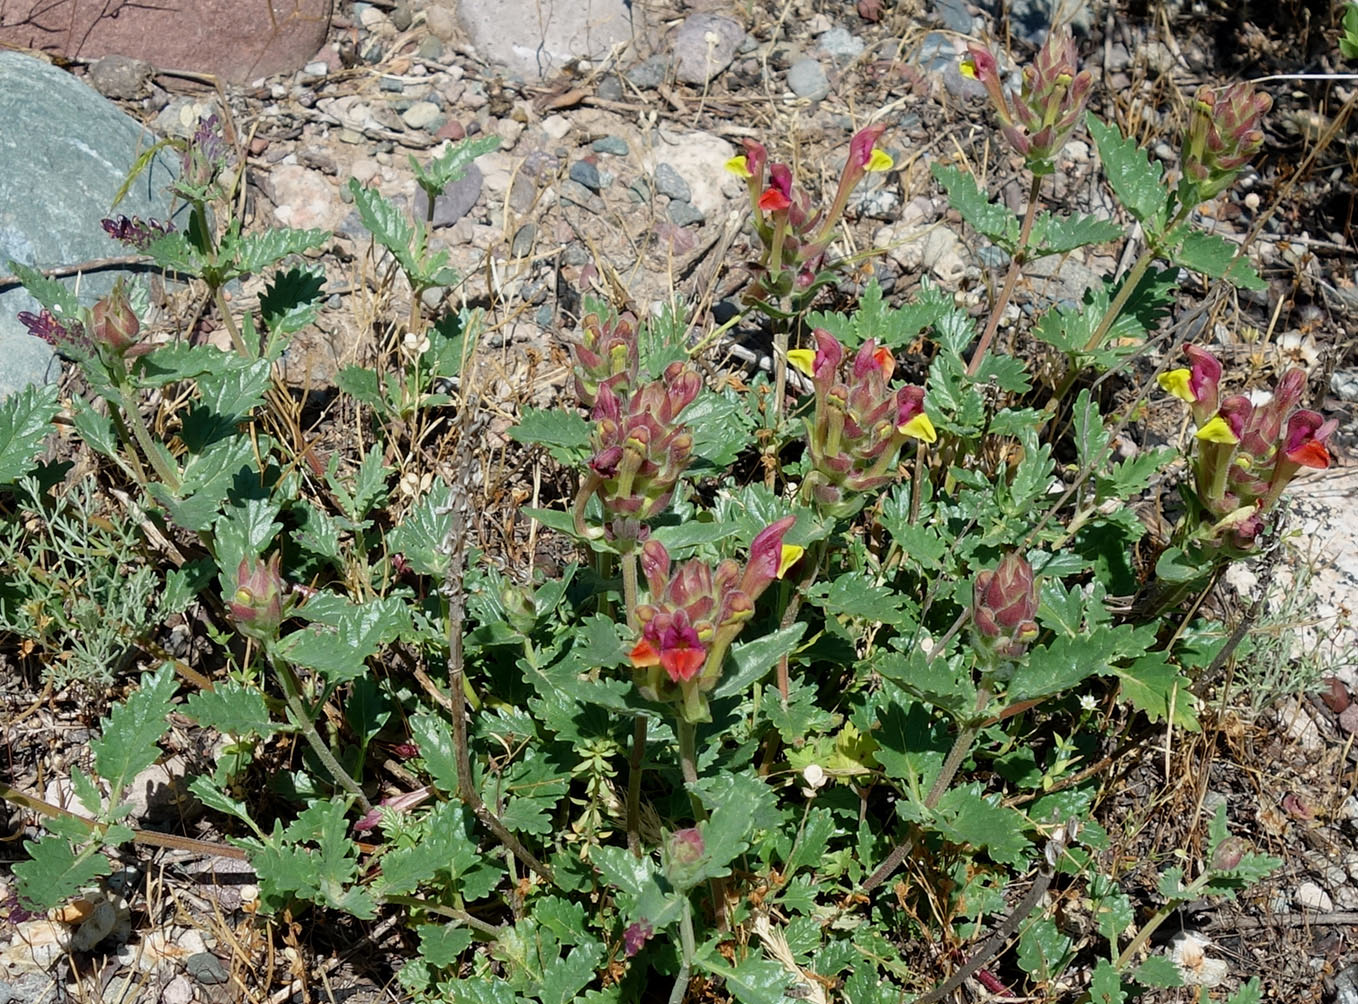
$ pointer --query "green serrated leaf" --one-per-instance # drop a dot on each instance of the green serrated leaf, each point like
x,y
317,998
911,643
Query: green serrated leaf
x,y
1134,177
757,980
1059,235
1042,949
51,293
292,299
854,594
232,709
25,420
991,219
1105,985
254,252
1158,971
441,944
754,658
564,433
563,979
1251,993
362,385
452,164
966,817
435,740
1091,438
1153,684
1068,660
622,870
54,873
812,841
214,798
130,735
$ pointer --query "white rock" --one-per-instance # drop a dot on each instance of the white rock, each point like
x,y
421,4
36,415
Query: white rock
x,y
556,126
178,991
1310,896
1297,724
700,159
421,114
36,945
305,198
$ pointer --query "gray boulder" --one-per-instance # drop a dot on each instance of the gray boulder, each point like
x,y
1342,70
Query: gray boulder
x,y
64,153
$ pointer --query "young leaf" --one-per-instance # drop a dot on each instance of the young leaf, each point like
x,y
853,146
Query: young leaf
x,y
753,658
1105,986
1091,438
452,164
1158,971
52,294
253,252
1215,257
965,817
565,434
1134,177
54,873
1250,992
130,735
563,979
25,420
441,944
211,796
292,299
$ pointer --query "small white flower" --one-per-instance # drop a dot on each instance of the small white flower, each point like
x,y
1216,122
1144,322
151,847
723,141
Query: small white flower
x,y
414,345
1188,952
1087,702
814,776
1297,349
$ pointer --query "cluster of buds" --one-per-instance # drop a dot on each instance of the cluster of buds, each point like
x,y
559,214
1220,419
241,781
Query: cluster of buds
x,y
111,332
136,233
794,237
859,425
1223,134
1041,117
1003,605
258,604
205,155
1246,454
695,612
641,450
606,354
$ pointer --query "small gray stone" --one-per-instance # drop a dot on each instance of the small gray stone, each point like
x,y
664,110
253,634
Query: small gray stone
x,y
206,968
430,48
402,16
639,191
455,201
650,74
1310,896
524,237
609,89
1344,384
668,182
840,44
392,85
806,79
991,256
422,115
585,173
572,191
705,45
441,20
119,76
576,254
613,145
954,15
683,213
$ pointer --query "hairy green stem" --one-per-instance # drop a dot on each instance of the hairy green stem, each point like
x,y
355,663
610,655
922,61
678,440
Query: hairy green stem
x,y
303,720
688,946
1010,279
132,415
634,763
960,748
1188,893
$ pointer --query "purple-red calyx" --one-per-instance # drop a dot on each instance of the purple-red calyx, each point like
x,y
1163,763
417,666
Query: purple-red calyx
x,y
1004,603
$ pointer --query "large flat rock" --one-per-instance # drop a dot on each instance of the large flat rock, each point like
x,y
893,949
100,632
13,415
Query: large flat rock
x,y
64,153
237,40
536,38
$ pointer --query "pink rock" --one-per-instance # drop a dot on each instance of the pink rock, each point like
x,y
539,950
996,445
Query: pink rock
x,y
237,40
452,129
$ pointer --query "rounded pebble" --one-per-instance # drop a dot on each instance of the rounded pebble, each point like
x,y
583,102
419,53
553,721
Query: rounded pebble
x,y
584,173
806,79
669,182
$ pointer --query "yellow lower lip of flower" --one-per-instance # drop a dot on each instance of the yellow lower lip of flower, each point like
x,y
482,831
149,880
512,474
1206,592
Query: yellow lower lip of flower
x,y
880,160
968,69
1177,382
738,166
1217,431
803,359
790,555
920,428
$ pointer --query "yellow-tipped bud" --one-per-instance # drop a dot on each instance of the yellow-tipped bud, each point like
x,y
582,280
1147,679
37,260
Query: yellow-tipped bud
x,y
920,428
738,167
880,161
1218,431
803,359
1179,383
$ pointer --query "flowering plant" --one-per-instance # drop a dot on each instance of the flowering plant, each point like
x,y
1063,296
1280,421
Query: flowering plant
x,y
695,612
